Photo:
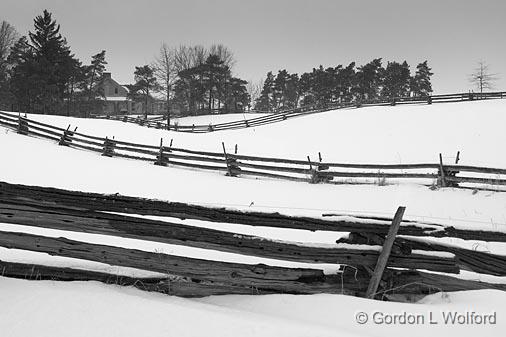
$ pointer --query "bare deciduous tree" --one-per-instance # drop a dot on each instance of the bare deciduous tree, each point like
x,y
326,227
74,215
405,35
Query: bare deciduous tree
x,y
8,37
186,57
165,71
482,78
224,54
254,89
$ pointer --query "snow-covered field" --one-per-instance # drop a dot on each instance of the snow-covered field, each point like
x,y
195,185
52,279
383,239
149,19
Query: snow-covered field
x,y
48,309
401,134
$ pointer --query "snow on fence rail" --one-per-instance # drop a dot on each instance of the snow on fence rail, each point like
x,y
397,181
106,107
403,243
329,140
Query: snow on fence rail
x,y
357,253
236,165
157,122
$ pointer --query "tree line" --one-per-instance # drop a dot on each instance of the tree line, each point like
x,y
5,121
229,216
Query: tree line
x,y
323,86
40,74
193,80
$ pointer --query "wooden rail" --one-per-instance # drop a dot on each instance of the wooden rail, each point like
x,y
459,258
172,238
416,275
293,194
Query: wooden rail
x,y
279,116
91,213
233,164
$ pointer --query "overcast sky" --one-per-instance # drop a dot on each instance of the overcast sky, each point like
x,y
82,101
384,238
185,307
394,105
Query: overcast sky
x,y
296,35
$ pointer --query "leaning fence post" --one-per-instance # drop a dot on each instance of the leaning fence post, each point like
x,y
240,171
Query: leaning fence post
x,y
314,178
232,167
385,253
442,178
64,139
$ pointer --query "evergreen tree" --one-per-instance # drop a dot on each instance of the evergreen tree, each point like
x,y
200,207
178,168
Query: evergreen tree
x,y
237,97
266,100
306,89
215,74
420,84
279,92
292,91
93,75
368,79
22,85
346,82
145,84
48,68
396,82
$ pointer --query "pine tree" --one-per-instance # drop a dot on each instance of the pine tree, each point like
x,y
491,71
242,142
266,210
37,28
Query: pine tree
x,y
22,85
49,68
292,91
346,82
55,62
421,85
266,100
279,93
396,82
237,97
93,75
145,84
306,89
368,79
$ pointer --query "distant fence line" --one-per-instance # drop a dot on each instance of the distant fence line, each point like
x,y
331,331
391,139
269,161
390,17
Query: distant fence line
x,y
438,174
158,122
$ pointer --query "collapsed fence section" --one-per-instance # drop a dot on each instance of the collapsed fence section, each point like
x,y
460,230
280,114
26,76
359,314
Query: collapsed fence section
x,y
231,163
357,253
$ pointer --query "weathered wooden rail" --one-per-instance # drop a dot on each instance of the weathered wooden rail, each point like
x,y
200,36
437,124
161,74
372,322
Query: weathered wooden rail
x,y
72,211
233,164
279,116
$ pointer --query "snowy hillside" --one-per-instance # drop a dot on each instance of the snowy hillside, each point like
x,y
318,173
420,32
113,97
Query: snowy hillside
x,y
401,134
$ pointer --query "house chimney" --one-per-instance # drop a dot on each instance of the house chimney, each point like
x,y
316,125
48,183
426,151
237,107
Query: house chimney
x,y
106,75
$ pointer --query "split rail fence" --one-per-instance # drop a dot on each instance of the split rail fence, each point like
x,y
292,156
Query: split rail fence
x,y
233,164
365,241
158,122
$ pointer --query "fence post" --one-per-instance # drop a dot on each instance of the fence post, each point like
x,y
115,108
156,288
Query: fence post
x,y
232,168
22,126
442,178
385,253
315,177
429,100
322,167
64,139
109,145
161,159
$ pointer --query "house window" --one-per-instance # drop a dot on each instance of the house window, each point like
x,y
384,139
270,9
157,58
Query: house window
x,y
116,91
